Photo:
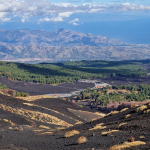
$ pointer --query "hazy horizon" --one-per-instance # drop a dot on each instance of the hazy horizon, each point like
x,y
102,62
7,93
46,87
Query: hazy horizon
x,y
127,20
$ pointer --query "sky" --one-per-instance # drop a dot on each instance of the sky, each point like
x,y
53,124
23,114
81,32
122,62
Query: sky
x,y
127,20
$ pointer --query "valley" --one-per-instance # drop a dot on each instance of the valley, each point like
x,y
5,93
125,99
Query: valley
x,y
74,75
26,125
103,104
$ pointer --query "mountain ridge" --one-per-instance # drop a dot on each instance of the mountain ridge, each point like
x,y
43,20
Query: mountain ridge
x,y
34,46
60,37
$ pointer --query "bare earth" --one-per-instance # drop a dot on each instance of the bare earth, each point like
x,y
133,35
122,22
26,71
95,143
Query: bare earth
x,y
42,123
18,132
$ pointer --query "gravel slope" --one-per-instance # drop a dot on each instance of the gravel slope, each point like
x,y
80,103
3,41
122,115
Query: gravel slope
x,y
136,125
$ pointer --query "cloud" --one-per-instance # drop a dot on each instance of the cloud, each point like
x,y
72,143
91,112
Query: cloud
x,y
60,17
127,7
74,22
44,10
3,17
65,14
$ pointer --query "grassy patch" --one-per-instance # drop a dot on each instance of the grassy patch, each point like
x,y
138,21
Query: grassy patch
x,y
126,145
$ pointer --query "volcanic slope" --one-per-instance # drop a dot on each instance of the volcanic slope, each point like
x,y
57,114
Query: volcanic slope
x,y
108,132
114,131
39,89
51,112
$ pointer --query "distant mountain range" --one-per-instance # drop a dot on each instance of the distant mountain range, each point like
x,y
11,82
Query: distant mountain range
x,y
65,45
59,37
